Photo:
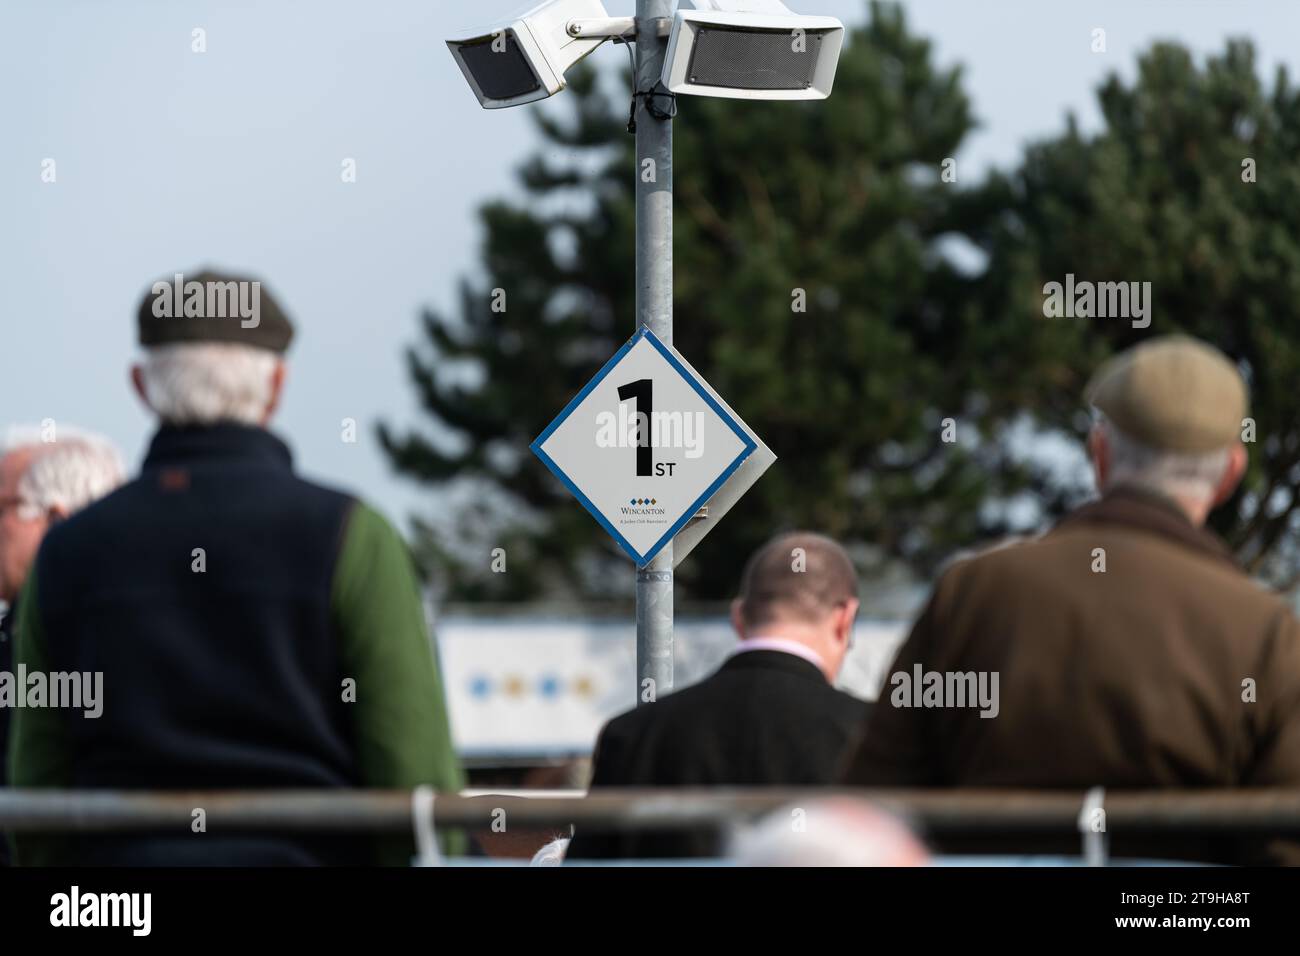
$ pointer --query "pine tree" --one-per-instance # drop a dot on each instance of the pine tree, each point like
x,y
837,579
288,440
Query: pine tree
x,y
873,396
1190,186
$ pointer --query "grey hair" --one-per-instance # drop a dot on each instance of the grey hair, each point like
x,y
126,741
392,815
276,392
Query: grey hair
x,y
202,383
1175,474
69,469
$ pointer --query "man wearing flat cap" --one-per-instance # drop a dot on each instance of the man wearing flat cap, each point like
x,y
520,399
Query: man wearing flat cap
x,y
253,630
1129,648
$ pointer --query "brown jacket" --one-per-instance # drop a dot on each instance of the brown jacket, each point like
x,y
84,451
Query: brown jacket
x,y
1131,677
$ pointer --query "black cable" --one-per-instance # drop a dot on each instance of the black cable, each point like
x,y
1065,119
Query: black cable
x,y
661,114
651,106
631,55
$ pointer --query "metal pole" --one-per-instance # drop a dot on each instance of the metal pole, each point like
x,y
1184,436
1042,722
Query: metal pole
x,y
654,308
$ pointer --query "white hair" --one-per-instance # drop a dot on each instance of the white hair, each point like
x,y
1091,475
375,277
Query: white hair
x,y
834,831
69,468
1171,473
202,383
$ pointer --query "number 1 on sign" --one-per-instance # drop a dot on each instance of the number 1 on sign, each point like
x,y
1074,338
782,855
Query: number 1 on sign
x,y
642,393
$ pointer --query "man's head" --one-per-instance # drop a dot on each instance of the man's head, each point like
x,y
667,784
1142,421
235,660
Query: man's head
x,y
214,351
801,587
46,475
1170,418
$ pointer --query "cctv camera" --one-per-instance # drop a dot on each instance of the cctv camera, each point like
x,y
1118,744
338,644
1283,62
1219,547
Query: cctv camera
x,y
753,50
525,58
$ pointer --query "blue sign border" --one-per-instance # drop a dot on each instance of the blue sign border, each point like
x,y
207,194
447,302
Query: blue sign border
x,y
666,352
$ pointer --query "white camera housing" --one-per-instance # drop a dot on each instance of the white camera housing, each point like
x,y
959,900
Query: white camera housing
x,y
752,50
525,58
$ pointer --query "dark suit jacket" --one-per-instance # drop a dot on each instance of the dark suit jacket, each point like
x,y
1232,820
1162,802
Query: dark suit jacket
x,y
764,719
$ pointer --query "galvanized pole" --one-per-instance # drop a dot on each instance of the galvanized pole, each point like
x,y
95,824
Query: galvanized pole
x,y
654,308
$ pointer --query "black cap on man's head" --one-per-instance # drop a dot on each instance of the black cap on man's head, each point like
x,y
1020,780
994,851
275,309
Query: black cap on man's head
x,y
211,307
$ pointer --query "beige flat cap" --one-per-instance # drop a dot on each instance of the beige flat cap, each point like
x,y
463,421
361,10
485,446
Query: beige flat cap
x,y
1175,392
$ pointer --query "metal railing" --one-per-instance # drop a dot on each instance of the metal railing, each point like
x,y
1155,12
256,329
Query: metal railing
x,y
946,812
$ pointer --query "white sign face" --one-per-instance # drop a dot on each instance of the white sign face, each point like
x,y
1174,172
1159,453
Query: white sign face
x,y
644,445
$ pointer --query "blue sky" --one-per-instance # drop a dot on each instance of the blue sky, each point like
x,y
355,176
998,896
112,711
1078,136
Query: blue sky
x,y
167,159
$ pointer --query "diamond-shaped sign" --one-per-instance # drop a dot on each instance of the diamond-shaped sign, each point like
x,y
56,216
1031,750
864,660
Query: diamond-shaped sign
x,y
644,445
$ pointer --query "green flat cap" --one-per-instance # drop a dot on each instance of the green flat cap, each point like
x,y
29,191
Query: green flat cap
x,y
210,307
1174,393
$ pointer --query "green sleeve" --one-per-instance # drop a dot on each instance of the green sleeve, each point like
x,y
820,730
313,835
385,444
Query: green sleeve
x,y
400,722
39,750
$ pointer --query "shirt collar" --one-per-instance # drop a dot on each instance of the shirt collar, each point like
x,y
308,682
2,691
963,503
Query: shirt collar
x,y
781,645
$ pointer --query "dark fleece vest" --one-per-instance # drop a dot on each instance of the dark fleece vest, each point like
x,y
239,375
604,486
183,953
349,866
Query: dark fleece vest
x,y
201,591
